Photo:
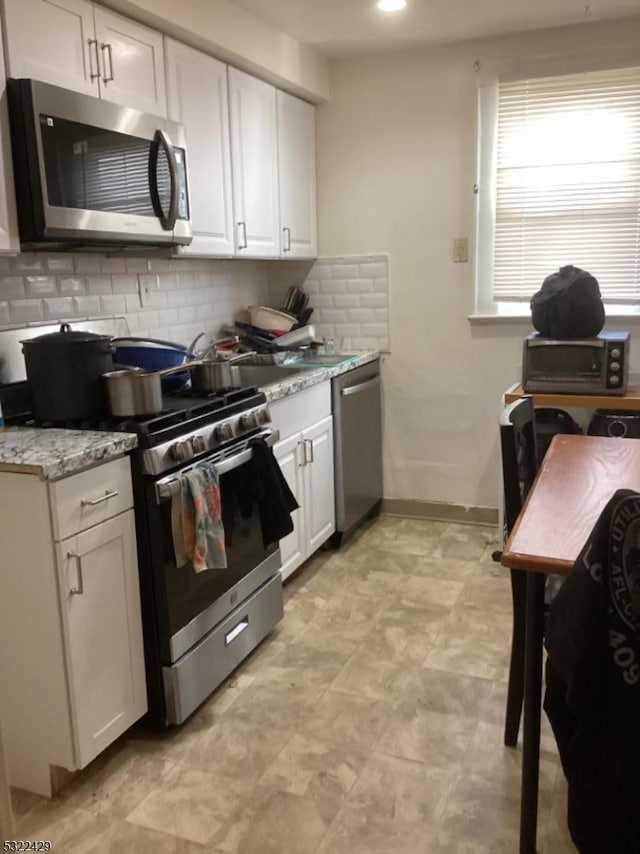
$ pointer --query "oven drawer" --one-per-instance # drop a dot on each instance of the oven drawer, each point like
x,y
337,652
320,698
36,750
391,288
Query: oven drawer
x,y
90,497
189,681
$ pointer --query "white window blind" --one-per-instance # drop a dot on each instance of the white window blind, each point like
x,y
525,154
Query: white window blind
x,y
568,182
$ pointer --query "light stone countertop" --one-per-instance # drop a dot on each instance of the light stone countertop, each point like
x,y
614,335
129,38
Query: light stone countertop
x,y
52,452
311,375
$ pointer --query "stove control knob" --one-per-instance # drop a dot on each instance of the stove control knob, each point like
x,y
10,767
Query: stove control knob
x,y
615,354
249,421
199,444
182,450
614,380
614,366
263,416
223,432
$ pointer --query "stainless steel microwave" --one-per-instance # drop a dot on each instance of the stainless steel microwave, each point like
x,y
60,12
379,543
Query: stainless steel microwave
x,y
597,365
89,172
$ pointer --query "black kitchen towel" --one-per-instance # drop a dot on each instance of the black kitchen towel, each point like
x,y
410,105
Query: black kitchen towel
x,y
592,695
265,484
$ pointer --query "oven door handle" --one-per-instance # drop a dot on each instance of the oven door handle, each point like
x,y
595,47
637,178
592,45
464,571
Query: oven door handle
x,y
168,486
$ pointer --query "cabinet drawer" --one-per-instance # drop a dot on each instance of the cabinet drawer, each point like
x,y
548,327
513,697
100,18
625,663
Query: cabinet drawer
x,y
296,412
85,499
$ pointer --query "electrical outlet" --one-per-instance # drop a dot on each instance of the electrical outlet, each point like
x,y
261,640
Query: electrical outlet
x,y
148,286
460,249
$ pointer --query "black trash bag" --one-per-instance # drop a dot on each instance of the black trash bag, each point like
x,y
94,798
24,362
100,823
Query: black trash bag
x,y
568,305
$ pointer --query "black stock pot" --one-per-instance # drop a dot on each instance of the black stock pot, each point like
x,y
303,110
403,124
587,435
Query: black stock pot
x,y
64,372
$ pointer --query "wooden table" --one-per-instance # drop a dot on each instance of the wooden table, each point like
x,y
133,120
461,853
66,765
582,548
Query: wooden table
x,y
629,401
578,476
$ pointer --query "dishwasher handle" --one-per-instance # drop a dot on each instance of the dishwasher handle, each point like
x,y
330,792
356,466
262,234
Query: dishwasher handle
x,y
356,389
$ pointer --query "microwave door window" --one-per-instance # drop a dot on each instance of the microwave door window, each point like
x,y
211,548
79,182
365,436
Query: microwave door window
x,y
89,168
567,361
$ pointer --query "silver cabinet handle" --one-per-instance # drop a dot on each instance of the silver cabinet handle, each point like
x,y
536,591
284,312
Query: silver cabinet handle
x,y
308,443
91,502
287,233
93,43
237,630
243,226
106,47
79,590
304,458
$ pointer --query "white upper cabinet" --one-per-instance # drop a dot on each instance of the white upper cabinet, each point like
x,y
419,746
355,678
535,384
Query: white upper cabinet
x,y
9,240
80,46
50,40
197,97
297,176
132,63
254,160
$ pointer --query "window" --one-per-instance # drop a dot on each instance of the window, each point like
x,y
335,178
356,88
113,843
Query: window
x,y
559,185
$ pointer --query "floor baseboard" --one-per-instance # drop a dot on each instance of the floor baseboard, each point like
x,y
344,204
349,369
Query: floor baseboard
x,y
439,511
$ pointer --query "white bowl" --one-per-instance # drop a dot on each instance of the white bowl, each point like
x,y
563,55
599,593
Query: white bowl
x,y
270,319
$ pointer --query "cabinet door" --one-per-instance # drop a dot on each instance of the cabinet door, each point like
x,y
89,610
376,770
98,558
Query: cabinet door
x,y
297,176
319,495
197,97
290,456
50,40
103,633
254,161
9,240
131,62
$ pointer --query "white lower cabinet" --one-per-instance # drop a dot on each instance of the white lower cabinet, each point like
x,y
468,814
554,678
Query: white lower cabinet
x,y
72,662
293,547
305,455
98,577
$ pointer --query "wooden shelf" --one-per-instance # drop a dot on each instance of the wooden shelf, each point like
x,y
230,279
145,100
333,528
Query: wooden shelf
x,y
630,400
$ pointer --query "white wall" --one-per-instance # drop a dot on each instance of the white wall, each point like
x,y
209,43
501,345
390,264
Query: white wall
x,y
396,168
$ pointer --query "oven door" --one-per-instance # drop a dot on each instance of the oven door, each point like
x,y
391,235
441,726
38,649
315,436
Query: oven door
x,y
189,605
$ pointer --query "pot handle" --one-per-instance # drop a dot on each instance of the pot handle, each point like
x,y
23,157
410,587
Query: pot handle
x,y
185,366
65,327
239,356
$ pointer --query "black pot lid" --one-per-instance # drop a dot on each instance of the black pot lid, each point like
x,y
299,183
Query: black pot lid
x,y
67,335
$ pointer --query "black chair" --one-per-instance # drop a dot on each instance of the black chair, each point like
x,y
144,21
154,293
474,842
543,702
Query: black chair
x,y
519,469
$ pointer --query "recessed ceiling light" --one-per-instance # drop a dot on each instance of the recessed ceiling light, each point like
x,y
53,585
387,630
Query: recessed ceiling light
x,y
391,5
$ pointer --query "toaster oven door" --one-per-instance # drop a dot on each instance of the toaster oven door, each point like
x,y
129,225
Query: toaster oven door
x,y
568,367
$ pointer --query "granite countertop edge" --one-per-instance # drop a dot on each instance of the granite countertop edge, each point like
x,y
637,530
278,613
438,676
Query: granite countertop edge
x,y
52,453
310,376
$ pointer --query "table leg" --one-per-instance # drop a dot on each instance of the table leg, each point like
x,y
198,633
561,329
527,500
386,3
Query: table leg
x,y
532,705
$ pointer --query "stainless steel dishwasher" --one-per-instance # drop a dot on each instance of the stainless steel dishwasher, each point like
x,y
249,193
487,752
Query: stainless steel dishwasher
x,y
357,439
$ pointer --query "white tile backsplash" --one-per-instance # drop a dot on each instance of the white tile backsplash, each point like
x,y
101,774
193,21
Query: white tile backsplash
x,y
350,297
194,295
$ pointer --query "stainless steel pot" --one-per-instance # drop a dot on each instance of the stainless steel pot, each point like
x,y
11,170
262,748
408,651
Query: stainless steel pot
x,y
132,392
210,375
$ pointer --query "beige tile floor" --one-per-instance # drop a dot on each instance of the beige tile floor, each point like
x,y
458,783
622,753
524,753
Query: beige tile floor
x,y
369,722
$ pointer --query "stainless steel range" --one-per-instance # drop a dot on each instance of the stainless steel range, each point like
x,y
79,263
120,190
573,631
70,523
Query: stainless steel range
x,y
197,627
